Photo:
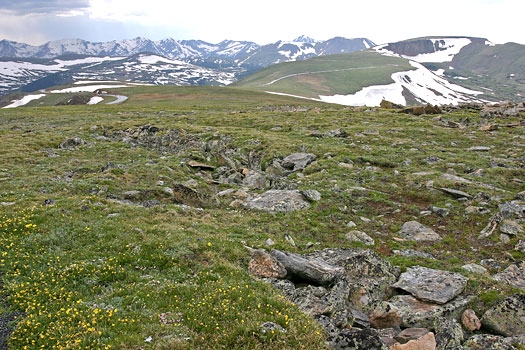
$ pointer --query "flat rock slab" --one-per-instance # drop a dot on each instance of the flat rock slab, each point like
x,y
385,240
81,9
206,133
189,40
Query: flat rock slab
x,y
513,275
279,201
488,342
298,161
456,193
265,265
507,317
416,313
431,285
415,231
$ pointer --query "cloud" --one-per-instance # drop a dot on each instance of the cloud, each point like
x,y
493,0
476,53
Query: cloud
x,y
25,7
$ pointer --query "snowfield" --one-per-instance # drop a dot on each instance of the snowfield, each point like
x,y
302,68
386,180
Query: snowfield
x,y
426,86
447,49
95,100
87,88
24,100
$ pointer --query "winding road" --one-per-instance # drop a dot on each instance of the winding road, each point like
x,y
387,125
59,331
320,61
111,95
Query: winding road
x,y
119,100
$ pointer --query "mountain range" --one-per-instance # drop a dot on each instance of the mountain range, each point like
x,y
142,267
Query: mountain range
x,y
181,62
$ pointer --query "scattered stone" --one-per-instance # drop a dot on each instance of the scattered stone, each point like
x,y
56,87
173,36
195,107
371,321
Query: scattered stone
x,y
520,246
298,161
489,127
311,195
504,238
443,212
413,253
431,285
351,224
72,143
470,320
471,209
474,268
455,179
385,315
48,201
336,133
479,149
271,327
346,165
456,193
413,230
366,220
507,317
255,180
449,334
513,275
186,195
263,264
432,159
289,239
269,242
511,227
199,165
426,342
279,201
488,342
491,263
409,334
361,237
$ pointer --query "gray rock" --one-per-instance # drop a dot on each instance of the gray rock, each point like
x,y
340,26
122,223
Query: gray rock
x,y
415,231
385,315
357,339
409,334
511,227
310,300
269,242
413,253
336,133
479,149
520,246
361,237
271,327
488,342
455,179
255,180
416,313
507,318
456,193
298,161
72,143
431,285
513,275
311,195
443,212
264,265
286,287
475,268
512,210
279,201
449,334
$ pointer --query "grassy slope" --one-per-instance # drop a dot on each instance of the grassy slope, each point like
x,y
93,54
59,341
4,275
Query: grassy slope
x,y
180,275
354,71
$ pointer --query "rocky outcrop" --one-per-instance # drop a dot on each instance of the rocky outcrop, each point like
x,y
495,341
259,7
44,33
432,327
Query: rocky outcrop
x,y
414,231
513,275
279,201
507,318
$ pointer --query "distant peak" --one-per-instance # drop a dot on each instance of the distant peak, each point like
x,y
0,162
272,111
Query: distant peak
x,y
304,39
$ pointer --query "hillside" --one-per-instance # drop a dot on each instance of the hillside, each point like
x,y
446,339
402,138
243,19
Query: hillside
x,y
435,70
222,218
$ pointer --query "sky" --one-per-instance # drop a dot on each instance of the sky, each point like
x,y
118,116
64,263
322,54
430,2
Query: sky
x,y
38,21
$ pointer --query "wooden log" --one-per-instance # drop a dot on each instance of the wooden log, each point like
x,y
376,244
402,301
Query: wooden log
x,y
314,270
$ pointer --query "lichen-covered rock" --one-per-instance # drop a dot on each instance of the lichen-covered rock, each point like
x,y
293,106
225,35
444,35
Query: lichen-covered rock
x,y
513,275
263,264
385,315
415,313
409,334
279,201
488,342
414,231
361,237
311,195
426,342
507,317
357,339
431,285
310,300
449,334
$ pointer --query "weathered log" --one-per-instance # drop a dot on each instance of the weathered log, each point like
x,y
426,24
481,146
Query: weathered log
x,y
314,270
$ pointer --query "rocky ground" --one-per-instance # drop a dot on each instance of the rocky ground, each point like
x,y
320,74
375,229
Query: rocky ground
x,y
390,230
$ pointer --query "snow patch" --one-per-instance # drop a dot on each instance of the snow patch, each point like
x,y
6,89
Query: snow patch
x,y
95,100
24,100
421,82
366,44
447,48
87,88
155,59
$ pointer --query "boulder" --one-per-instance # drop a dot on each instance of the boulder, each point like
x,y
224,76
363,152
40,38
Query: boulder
x,y
310,269
263,264
474,268
415,313
311,195
409,334
507,318
513,275
449,334
431,285
186,195
357,339
414,231
385,315
511,227
361,237
279,201
72,143
298,161
470,320
488,342
426,342
255,180
456,193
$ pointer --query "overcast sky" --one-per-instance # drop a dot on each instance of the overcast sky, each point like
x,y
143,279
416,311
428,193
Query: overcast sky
x,y
38,21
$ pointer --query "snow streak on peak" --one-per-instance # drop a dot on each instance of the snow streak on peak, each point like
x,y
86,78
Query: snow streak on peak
x,y
445,50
